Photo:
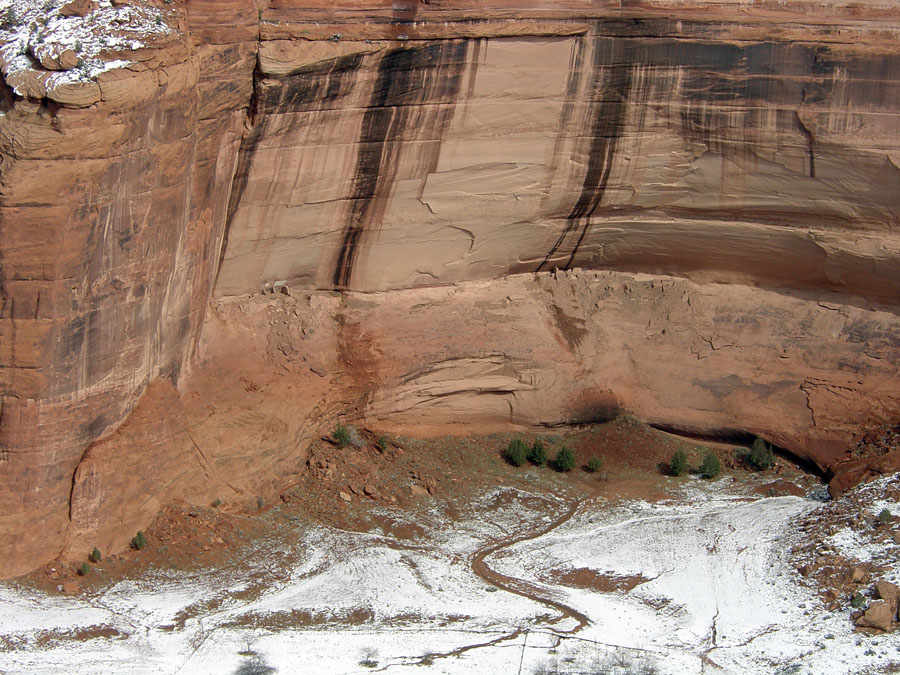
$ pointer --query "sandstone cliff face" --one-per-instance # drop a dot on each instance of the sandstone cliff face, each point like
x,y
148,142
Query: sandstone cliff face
x,y
703,148
113,202
736,174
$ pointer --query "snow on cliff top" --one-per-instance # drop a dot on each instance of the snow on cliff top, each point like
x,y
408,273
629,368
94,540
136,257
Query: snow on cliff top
x,y
37,40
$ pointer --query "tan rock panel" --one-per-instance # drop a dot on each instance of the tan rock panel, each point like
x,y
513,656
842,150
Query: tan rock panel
x,y
591,151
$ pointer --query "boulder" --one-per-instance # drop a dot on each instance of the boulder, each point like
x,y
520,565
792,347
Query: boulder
x,y
888,592
878,616
78,8
855,575
68,59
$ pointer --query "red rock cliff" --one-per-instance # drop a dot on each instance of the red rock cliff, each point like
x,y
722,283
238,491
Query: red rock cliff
x,y
731,167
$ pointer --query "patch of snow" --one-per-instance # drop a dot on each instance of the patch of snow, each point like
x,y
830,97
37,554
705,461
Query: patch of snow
x,y
33,31
719,595
877,506
848,543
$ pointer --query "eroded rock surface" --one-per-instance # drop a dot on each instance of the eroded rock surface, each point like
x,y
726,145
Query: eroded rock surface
x,y
652,145
736,174
523,351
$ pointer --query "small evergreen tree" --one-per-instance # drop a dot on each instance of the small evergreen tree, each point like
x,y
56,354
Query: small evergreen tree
x,y
517,452
885,516
565,459
710,467
95,557
594,464
679,462
761,456
340,435
138,541
84,569
538,454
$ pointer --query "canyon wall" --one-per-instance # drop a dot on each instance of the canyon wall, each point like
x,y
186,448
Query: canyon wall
x,y
730,171
702,148
113,193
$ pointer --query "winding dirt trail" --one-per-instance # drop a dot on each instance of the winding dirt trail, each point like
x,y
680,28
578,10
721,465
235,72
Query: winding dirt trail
x,y
524,588
517,586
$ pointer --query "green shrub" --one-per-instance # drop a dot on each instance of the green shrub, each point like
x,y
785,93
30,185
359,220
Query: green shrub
x,y
761,456
857,600
516,452
538,454
594,464
217,503
138,541
710,467
84,569
341,435
565,459
381,443
679,462
95,557
884,516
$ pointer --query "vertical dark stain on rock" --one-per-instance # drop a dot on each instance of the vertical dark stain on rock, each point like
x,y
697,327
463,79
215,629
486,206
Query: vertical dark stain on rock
x,y
609,92
245,158
810,140
479,45
410,81
731,99
324,82
246,153
576,63
612,86
319,86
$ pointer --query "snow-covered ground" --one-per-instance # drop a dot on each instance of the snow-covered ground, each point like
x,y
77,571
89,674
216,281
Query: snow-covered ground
x,y
714,591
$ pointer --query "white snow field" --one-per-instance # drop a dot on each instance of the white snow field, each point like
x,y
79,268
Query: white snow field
x,y
712,591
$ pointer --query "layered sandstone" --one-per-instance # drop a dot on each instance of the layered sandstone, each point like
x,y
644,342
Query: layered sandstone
x,y
112,213
732,168
702,148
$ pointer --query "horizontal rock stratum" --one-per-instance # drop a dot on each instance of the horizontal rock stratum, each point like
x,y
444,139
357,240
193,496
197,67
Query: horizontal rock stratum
x,y
472,215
